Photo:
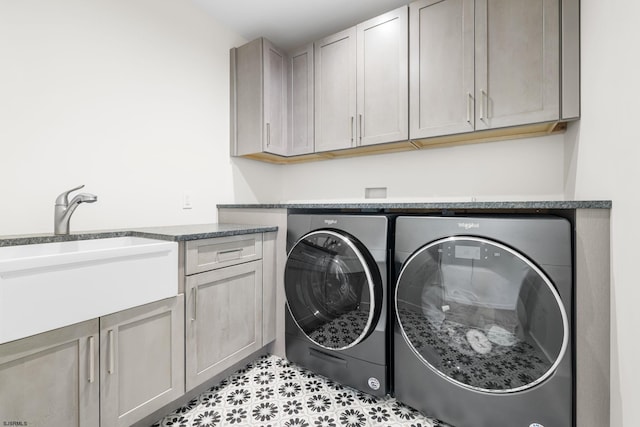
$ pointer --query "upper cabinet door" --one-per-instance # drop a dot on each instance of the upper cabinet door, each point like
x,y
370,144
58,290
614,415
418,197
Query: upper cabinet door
x,y
275,100
335,91
517,62
301,101
382,81
246,99
258,99
441,67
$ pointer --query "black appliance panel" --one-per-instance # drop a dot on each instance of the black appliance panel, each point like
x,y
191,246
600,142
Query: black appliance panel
x,y
332,285
481,315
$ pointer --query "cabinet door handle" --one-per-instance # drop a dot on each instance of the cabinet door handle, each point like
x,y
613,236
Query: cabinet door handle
x,y
360,129
352,129
92,359
483,99
111,369
268,134
469,107
194,292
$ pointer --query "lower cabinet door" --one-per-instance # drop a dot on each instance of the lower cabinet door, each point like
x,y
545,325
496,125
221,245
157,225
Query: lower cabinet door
x,y
223,319
51,379
142,361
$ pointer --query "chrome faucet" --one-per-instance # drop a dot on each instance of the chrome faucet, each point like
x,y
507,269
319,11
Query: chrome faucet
x,y
64,209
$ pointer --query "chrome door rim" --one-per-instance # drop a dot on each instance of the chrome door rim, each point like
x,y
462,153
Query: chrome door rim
x,y
541,274
367,272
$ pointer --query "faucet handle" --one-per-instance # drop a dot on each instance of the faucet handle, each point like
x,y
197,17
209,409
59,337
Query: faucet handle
x,y
63,199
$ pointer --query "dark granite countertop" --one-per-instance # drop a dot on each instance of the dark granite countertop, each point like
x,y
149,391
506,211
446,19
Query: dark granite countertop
x,y
200,231
204,231
393,206
176,233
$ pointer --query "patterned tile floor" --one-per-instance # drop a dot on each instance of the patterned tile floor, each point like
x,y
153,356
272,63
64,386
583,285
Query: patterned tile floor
x,y
274,392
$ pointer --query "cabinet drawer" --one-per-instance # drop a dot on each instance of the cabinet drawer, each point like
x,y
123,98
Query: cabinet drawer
x,y
209,254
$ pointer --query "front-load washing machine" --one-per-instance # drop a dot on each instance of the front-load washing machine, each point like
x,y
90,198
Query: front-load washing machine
x,y
483,320
336,291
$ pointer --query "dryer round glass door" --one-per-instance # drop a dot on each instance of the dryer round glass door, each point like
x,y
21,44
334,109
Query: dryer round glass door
x,y
481,315
333,289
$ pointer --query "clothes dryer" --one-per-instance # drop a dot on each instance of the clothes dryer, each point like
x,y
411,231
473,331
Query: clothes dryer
x,y
336,292
483,320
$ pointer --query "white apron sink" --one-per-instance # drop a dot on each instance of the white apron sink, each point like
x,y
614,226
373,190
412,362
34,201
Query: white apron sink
x,y
51,285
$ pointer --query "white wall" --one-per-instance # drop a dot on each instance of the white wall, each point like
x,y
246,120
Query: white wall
x,y
130,98
604,164
530,169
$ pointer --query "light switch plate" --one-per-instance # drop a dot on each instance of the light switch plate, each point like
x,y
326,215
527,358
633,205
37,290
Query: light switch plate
x,y
187,201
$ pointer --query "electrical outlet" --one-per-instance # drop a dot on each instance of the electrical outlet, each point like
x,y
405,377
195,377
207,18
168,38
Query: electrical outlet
x,y
375,193
186,201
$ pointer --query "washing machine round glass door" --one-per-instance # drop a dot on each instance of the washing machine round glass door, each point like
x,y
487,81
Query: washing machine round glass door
x,y
333,289
481,315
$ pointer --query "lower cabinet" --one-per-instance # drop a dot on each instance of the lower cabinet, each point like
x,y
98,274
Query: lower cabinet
x,y
223,319
142,361
105,372
118,369
51,379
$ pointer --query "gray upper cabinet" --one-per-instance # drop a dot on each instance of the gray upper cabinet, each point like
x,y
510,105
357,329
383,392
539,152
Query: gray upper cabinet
x,y
258,99
51,379
483,64
361,84
300,111
275,94
517,62
431,73
441,67
382,80
335,91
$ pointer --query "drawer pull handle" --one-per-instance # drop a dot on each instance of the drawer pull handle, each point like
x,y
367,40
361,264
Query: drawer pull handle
x,y
238,252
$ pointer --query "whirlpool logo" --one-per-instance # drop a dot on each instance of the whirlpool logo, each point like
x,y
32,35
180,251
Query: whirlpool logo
x,y
468,225
330,221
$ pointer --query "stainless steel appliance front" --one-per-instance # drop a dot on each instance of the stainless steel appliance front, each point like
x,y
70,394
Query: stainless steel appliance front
x,y
335,285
